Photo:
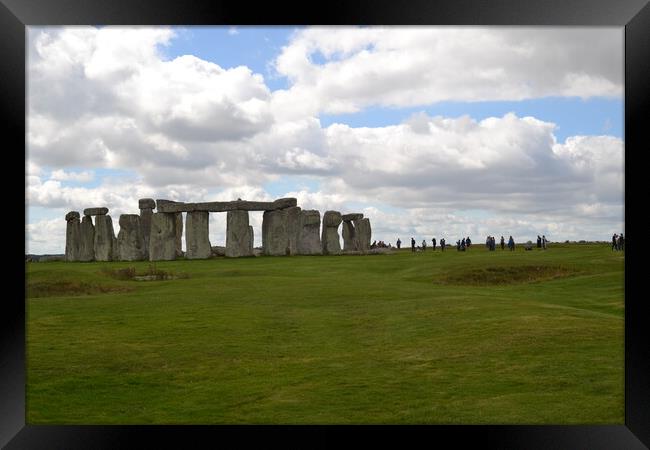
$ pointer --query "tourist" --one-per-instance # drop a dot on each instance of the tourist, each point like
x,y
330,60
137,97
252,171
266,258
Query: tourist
x,y
468,242
544,242
399,244
442,244
621,242
458,245
539,242
412,244
424,244
503,243
615,242
433,242
511,244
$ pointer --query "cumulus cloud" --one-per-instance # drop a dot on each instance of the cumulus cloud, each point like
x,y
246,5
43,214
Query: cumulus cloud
x,y
190,130
345,69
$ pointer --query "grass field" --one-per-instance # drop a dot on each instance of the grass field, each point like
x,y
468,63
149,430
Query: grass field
x,y
476,337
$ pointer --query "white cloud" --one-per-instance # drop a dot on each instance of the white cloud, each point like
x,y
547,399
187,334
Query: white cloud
x,y
410,66
81,177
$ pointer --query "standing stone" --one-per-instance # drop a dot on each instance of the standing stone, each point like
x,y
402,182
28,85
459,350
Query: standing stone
x,y
363,234
130,243
250,240
293,229
330,238
349,236
146,210
197,240
162,240
237,234
104,238
72,236
87,241
309,233
179,234
275,240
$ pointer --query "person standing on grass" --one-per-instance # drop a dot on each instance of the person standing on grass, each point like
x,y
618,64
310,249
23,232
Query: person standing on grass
x,y
621,242
412,244
399,244
614,242
511,244
468,242
442,244
433,243
503,243
539,242
424,244
544,242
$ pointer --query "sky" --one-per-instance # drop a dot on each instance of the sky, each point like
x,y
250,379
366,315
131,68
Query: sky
x,y
428,131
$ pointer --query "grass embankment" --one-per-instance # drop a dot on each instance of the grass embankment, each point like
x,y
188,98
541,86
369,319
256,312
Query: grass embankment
x,y
474,337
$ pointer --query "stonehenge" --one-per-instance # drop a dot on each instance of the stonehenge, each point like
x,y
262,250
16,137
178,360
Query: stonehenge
x,y
330,235
162,239
197,240
146,205
104,237
238,234
156,235
130,242
72,236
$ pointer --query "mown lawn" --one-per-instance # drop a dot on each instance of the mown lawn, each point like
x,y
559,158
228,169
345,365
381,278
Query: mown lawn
x,y
477,337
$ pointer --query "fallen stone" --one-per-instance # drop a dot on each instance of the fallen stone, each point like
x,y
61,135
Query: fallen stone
x,y
237,234
309,228
275,240
197,240
162,240
130,242
95,211
104,238
218,251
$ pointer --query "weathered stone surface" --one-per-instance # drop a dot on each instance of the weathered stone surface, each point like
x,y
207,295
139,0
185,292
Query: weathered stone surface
x,y
309,233
293,229
169,206
162,240
130,242
330,238
251,238
145,224
351,217
147,203
275,240
218,251
349,236
363,234
197,231
72,236
95,211
87,240
179,234
237,234
104,238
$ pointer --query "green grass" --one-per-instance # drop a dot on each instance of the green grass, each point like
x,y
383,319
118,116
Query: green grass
x,y
475,337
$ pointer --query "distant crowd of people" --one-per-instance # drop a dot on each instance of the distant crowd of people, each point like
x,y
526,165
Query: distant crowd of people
x,y
541,242
618,242
381,244
465,243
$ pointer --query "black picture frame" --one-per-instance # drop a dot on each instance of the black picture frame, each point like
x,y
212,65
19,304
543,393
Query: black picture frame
x,y
634,15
